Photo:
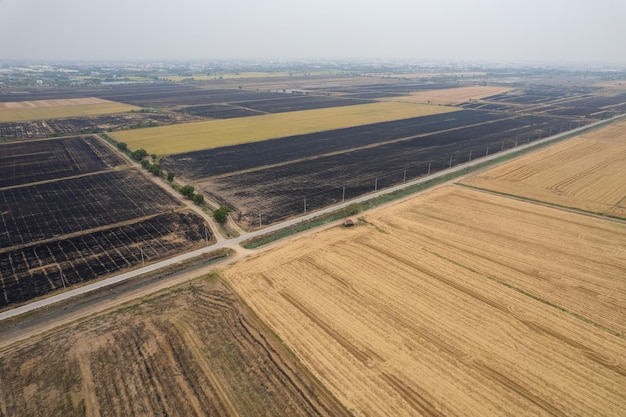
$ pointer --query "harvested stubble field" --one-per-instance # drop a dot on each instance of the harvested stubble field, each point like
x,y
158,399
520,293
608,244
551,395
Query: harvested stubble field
x,y
215,133
585,173
192,351
451,95
457,302
55,109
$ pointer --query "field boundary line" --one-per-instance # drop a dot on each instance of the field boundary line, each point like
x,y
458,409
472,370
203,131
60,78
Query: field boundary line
x,y
67,236
589,213
86,174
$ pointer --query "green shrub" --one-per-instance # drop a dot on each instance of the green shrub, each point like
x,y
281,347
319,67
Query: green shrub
x,y
198,199
221,214
187,191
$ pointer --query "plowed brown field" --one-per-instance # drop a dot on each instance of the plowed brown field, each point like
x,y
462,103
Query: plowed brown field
x,y
587,173
458,302
195,351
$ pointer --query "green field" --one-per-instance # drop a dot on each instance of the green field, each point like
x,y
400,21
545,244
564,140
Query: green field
x,y
23,114
215,133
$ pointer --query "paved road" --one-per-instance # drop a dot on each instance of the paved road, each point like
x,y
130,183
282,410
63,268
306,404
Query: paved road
x,y
234,242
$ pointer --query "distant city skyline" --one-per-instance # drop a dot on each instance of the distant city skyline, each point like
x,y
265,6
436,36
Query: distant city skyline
x,y
553,32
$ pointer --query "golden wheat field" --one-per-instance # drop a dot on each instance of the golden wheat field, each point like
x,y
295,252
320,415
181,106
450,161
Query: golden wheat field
x,y
455,302
451,95
214,133
61,108
586,172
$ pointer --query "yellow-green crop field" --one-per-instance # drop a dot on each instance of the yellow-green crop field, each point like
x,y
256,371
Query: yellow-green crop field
x,y
45,110
215,133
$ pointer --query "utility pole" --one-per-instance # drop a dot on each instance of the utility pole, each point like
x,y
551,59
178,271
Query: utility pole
x,y
62,277
343,195
142,260
516,141
487,153
259,219
470,157
404,180
304,205
429,167
502,147
376,184
206,235
450,165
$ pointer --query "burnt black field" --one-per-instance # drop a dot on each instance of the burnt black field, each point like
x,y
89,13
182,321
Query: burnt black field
x,y
45,210
72,211
210,162
27,162
36,270
278,192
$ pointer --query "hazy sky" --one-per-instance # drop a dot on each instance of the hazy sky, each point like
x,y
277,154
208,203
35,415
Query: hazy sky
x,y
553,31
